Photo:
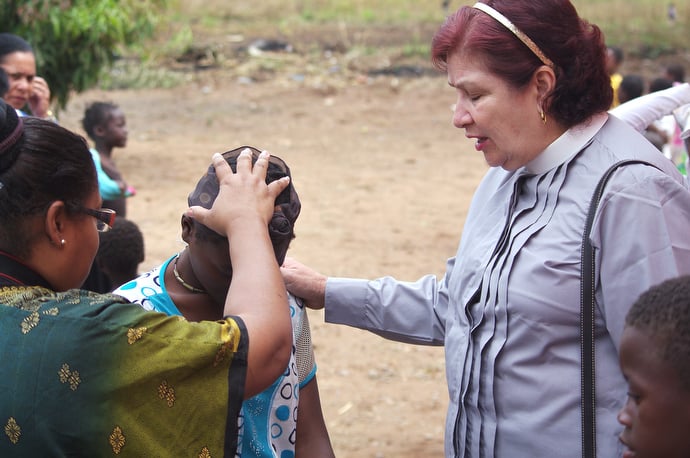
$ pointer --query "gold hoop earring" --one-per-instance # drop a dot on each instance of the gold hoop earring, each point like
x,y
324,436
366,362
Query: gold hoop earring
x,y
542,115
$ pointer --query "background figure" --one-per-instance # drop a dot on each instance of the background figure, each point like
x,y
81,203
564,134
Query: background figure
x,y
4,83
286,419
675,73
661,132
671,13
655,359
631,87
678,149
642,112
120,251
26,89
106,125
614,60
87,374
513,361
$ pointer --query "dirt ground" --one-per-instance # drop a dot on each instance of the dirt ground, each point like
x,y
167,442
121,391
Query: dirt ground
x,y
385,182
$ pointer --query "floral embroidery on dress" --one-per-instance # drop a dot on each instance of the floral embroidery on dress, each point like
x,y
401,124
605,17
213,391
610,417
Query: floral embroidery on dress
x,y
134,334
117,440
167,393
30,322
93,298
205,453
22,297
13,430
68,376
72,297
53,311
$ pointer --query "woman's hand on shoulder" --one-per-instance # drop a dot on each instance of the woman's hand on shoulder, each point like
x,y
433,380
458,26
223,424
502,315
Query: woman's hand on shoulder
x,y
304,282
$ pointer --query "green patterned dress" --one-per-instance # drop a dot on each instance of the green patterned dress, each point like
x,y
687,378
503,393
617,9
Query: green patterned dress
x,y
85,374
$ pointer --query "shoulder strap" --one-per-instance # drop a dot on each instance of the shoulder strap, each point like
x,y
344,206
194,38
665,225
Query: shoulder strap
x,y
587,285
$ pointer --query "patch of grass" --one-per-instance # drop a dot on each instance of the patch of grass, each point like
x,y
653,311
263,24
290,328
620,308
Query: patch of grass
x,y
365,28
133,74
639,24
420,50
627,23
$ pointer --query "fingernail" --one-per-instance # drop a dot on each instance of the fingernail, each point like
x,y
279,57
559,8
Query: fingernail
x,y
264,154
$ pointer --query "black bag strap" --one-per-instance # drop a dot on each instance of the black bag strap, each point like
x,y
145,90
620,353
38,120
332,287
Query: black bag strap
x,y
587,285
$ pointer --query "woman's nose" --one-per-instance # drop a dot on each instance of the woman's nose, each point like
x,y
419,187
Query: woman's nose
x,y
23,83
461,117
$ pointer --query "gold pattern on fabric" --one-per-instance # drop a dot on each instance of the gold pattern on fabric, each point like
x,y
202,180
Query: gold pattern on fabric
x,y
222,353
230,333
68,376
117,440
167,393
31,298
30,322
53,311
134,334
22,297
71,297
13,430
93,298
205,453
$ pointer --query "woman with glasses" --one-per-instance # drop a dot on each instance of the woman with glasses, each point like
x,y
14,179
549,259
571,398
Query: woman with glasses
x,y
92,375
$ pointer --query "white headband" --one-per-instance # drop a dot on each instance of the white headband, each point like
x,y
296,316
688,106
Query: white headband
x,y
517,32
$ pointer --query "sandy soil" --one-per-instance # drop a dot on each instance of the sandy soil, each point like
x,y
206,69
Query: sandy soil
x,y
385,182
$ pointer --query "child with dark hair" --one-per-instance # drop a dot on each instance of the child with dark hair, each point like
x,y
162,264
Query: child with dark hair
x,y
655,359
631,87
675,73
106,125
120,252
286,419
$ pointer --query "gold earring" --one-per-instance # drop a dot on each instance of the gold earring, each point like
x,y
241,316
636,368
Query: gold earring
x,y
542,115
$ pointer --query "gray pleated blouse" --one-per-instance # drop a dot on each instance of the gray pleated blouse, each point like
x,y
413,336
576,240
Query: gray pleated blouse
x,y
507,309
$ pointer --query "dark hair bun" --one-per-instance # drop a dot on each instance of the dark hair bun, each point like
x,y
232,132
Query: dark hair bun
x,y
10,132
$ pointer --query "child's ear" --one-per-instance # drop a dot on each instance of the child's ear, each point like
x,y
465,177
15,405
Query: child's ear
x,y
99,130
187,228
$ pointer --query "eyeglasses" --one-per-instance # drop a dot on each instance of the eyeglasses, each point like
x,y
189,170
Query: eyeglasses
x,y
105,217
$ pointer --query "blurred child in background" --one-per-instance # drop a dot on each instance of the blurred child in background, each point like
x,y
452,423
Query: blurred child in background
x,y
106,125
120,252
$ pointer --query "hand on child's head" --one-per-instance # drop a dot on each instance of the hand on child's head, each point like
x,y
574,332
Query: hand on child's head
x,y
243,196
